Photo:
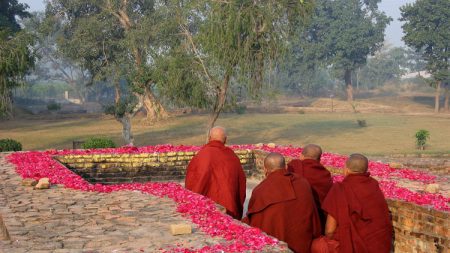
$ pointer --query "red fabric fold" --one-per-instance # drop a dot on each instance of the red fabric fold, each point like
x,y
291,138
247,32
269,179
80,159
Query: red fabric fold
x,y
216,173
318,177
282,206
362,214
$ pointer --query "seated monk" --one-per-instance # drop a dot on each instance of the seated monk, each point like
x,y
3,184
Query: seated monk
x,y
358,215
309,167
216,172
282,205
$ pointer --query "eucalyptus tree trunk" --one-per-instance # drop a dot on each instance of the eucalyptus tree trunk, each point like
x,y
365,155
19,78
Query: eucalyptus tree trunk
x,y
348,84
124,119
126,129
221,97
447,94
437,97
5,101
153,107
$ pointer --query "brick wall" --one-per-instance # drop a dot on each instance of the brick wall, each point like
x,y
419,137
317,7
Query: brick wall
x,y
419,229
123,168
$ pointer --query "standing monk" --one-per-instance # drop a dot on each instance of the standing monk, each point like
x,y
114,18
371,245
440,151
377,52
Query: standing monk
x,y
309,167
358,215
216,172
282,205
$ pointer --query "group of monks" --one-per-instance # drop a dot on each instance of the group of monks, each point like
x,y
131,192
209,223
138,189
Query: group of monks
x,y
298,203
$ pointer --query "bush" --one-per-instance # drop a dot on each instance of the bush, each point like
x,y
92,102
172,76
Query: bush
x,y
361,122
241,109
98,143
10,145
54,107
421,138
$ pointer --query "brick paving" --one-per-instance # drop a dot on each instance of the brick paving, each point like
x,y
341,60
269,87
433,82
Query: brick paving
x,y
65,220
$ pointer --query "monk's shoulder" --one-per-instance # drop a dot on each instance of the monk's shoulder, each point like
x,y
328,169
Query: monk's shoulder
x,y
295,165
334,192
295,162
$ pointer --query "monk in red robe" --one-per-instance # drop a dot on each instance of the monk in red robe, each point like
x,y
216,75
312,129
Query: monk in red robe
x,y
216,172
358,215
309,167
282,205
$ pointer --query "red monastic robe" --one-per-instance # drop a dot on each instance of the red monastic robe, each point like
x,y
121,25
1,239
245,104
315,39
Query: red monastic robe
x,y
283,206
216,172
362,215
318,177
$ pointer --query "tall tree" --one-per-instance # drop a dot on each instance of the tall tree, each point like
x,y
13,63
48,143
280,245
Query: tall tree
x,y
235,41
427,29
389,64
117,41
52,65
126,28
16,58
343,33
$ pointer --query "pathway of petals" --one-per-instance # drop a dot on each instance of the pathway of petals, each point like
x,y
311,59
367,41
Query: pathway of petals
x,y
201,211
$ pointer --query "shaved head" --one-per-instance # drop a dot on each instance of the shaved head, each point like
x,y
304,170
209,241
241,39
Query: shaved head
x,y
357,163
218,133
312,151
274,161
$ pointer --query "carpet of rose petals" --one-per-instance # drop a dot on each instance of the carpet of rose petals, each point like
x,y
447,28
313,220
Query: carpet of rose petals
x,y
202,211
199,209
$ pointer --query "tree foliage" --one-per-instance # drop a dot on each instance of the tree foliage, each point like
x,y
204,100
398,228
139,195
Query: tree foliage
x,y
343,33
16,58
51,64
427,29
389,64
234,42
116,40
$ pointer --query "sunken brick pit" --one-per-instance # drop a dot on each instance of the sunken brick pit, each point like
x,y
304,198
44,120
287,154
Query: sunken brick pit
x,y
145,167
417,228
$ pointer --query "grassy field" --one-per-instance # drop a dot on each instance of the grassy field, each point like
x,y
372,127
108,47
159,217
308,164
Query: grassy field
x,y
336,132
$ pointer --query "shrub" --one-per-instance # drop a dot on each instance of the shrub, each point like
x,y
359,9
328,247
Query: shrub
x,y
10,145
54,106
241,109
98,143
421,138
361,122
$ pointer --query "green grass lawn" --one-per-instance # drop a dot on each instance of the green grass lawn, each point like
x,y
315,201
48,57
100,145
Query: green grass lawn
x,y
335,132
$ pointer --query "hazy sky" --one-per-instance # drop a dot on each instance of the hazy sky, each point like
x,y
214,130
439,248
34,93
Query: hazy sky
x,y
390,7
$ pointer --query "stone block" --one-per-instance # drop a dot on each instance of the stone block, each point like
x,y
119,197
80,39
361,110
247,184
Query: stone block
x,y
432,188
29,182
395,165
180,229
43,183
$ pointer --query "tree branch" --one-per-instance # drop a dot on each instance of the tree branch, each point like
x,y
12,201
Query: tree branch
x,y
196,52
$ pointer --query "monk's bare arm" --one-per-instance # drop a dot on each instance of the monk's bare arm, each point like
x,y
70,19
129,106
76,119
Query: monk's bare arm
x,y
330,226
